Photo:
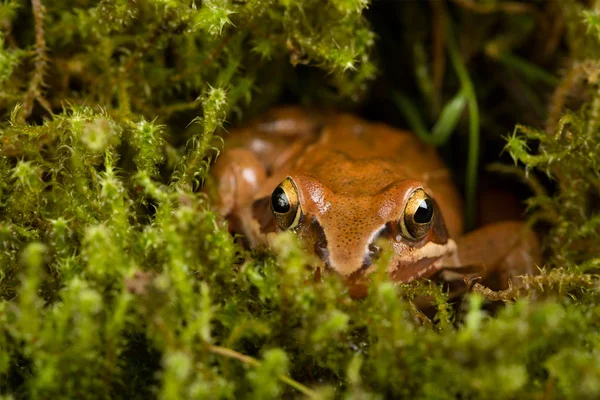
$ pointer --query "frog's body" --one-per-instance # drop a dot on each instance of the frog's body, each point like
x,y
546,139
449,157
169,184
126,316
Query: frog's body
x,y
344,185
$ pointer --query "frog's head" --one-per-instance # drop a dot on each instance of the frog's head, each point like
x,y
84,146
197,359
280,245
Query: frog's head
x,y
345,229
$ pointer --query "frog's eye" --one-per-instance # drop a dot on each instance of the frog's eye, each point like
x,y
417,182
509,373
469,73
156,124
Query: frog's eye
x,y
418,215
285,205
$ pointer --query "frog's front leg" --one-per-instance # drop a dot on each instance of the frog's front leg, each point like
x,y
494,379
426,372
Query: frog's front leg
x,y
498,253
236,178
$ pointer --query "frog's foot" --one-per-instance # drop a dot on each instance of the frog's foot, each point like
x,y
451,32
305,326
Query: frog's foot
x,y
499,253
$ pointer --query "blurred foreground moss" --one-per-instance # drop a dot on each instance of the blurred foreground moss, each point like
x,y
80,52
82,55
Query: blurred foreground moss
x,y
116,279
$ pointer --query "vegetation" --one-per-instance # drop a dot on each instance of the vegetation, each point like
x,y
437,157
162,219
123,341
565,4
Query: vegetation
x,y
116,279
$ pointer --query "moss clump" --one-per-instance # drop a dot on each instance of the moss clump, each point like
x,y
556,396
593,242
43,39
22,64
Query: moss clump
x,y
116,279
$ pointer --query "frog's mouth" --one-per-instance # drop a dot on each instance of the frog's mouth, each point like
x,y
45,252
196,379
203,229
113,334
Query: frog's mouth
x,y
403,271
424,262
423,268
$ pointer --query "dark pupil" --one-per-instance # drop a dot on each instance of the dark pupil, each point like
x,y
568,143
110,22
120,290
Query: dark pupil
x,y
424,212
279,201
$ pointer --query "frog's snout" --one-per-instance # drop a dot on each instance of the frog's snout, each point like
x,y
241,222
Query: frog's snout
x,y
344,265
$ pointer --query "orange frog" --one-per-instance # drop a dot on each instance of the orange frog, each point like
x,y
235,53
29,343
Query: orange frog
x,y
346,186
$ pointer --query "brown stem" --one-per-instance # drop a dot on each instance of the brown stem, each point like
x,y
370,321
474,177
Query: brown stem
x,y
557,278
36,84
511,293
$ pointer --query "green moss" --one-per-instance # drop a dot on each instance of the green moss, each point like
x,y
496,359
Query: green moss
x,y
117,280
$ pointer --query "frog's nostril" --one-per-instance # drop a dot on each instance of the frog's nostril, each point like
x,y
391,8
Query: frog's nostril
x,y
373,254
321,250
374,251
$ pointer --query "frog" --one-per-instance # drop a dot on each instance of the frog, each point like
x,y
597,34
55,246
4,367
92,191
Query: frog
x,y
348,188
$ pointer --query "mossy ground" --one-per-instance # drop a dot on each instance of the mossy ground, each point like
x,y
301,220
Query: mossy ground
x,y
116,279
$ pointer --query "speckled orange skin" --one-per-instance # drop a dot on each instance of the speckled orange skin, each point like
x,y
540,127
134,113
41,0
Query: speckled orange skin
x,y
353,177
